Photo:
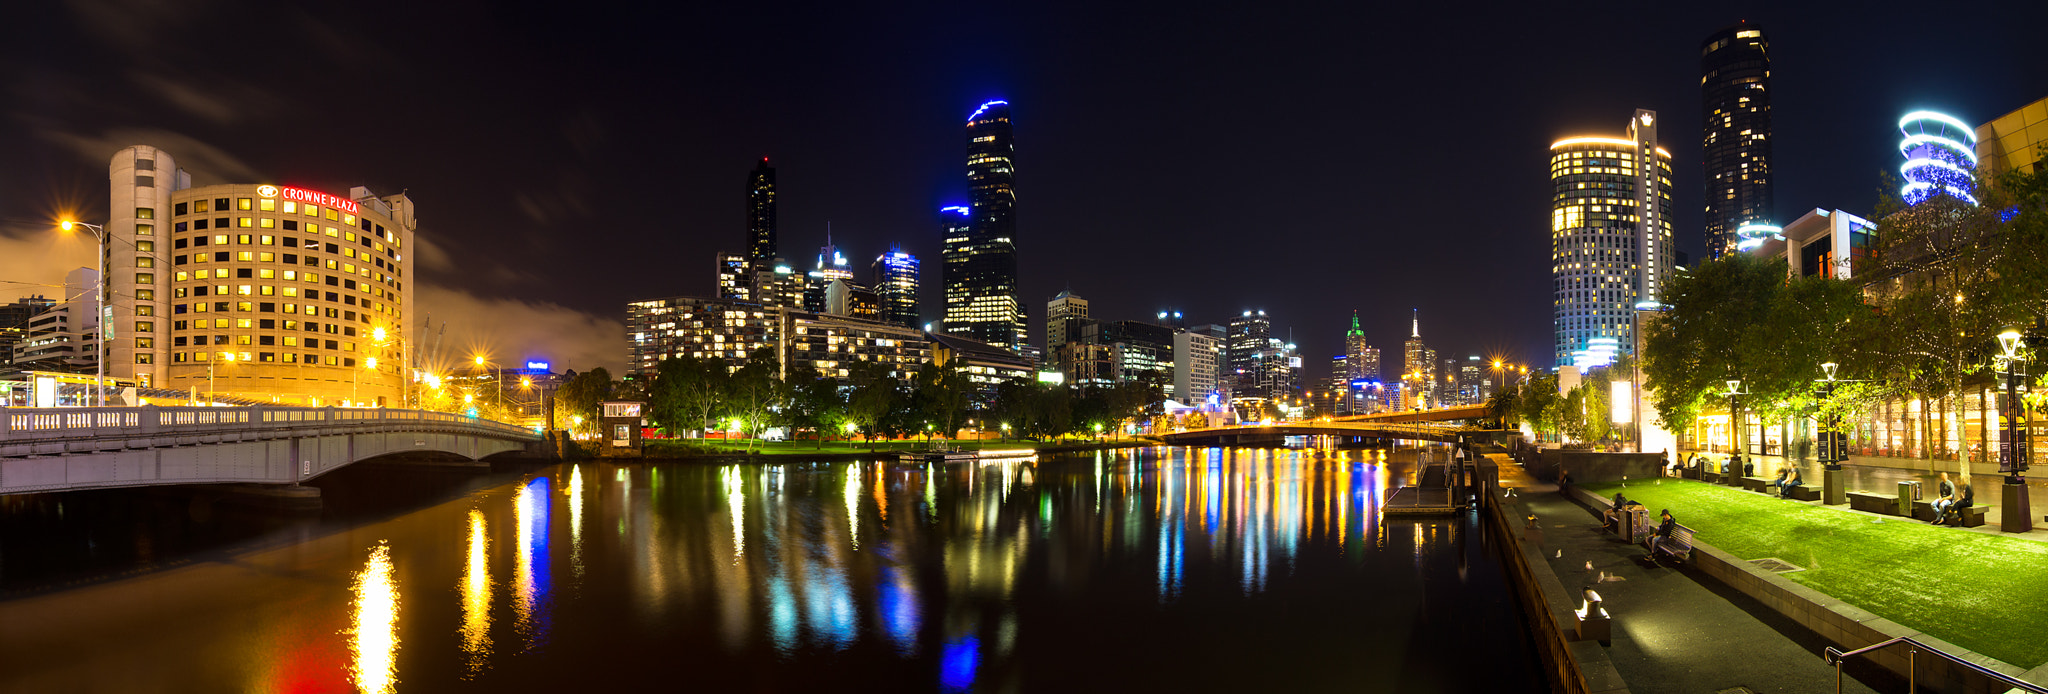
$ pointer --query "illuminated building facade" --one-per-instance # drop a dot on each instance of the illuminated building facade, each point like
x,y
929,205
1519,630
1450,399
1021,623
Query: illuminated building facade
x,y
896,286
1735,86
1138,351
735,277
2013,141
1196,355
761,245
1822,243
658,329
281,293
831,266
1249,334
1361,360
1064,317
982,302
1418,369
15,319
1941,158
1611,250
51,335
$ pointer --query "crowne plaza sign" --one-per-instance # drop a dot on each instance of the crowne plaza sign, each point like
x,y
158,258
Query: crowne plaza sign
x,y
310,197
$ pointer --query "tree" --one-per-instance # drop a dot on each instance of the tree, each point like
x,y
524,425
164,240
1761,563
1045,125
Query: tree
x,y
754,394
814,403
685,393
872,399
942,396
583,397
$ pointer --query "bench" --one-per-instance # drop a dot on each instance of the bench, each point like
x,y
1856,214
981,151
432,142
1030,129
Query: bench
x,y
1710,477
1678,546
1806,492
1756,484
1887,504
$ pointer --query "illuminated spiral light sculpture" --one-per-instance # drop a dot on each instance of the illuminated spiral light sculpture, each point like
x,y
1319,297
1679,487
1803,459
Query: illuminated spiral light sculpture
x,y
1756,234
1940,156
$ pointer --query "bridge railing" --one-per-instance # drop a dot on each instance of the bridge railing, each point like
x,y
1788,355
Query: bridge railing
x,y
20,424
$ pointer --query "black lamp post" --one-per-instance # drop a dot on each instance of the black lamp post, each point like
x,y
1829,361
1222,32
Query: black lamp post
x,y
1732,472
1834,445
2012,444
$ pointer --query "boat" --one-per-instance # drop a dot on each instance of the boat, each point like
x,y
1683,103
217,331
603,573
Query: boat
x,y
949,452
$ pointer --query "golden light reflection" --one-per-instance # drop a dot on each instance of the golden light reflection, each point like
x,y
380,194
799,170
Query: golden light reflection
x,y
476,597
576,521
853,504
736,501
373,641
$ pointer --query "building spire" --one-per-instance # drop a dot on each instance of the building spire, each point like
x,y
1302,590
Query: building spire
x,y
1416,327
1355,331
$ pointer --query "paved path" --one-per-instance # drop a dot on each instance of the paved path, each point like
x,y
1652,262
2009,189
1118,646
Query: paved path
x,y
1678,631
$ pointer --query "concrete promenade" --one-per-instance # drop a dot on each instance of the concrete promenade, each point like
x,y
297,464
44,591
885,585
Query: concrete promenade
x,y
1675,630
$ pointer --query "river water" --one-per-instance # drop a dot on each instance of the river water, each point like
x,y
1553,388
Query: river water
x,y
1135,570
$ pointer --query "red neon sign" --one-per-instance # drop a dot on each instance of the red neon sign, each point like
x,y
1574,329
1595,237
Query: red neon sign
x,y
313,197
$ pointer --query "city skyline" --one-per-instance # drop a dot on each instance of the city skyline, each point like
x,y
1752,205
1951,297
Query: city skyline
x,y
521,267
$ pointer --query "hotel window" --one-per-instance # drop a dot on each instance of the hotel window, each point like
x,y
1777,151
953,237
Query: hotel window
x,y
290,225
266,223
220,204
266,273
142,357
243,323
266,240
145,294
331,215
348,219
220,240
145,246
145,278
290,207
266,205
268,290
143,326
179,325
242,203
290,341
291,358
244,221
145,310
311,210
177,209
199,224
291,308
244,306
145,230
220,223
145,261
199,306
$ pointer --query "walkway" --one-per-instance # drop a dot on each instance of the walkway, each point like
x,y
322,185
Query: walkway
x,y
1676,631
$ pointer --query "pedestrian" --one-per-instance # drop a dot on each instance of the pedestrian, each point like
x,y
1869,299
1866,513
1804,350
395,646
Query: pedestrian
x,y
1945,500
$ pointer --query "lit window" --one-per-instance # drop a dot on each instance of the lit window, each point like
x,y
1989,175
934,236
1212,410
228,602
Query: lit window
x,y
145,230
244,221
290,207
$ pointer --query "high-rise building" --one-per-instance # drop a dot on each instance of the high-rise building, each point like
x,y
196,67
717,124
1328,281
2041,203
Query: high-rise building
x,y
1195,357
896,286
1735,105
1064,317
1172,319
282,294
1611,197
1418,368
831,266
1222,380
1361,360
735,276
1138,350
1249,333
761,244
14,322
982,302
60,335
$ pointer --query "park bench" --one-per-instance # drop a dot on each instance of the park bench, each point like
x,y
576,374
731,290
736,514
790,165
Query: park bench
x,y
1806,492
1969,517
1887,504
1678,546
1756,484
1710,477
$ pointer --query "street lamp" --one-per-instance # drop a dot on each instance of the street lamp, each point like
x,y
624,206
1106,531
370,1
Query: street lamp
x,y
1733,473
2012,446
228,357
99,292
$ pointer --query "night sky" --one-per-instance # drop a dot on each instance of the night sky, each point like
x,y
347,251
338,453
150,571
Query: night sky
x,y
568,158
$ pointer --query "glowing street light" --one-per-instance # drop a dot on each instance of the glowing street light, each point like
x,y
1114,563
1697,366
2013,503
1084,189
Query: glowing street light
x,y
99,291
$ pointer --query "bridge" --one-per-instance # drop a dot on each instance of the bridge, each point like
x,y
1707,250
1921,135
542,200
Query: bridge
x,y
1445,424
71,448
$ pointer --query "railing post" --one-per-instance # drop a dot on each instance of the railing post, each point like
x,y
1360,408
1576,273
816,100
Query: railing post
x,y
1912,669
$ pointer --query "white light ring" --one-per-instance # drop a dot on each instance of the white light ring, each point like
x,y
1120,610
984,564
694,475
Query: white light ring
x,y
1942,118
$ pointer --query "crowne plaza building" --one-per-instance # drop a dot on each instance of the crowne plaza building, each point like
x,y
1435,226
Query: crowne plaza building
x,y
260,291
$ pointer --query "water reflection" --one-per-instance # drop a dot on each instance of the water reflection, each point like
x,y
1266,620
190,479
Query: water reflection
x,y
476,597
373,636
1100,571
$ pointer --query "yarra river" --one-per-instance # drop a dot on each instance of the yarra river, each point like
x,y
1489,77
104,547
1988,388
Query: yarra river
x,y
1162,569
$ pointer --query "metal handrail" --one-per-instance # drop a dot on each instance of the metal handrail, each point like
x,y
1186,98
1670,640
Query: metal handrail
x,y
1835,656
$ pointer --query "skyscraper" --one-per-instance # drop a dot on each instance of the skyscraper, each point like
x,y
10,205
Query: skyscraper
x,y
896,286
761,247
1611,196
1064,317
1360,359
1735,91
1248,335
1418,368
981,264
831,266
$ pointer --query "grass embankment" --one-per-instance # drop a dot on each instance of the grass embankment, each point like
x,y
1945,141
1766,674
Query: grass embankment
x,y
665,448
1987,593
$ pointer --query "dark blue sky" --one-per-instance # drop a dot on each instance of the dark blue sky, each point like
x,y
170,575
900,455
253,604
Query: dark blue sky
x,y
567,159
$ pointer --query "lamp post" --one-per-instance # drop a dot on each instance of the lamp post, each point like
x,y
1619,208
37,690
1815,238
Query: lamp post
x,y
2012,445
1834,445
1731,473
99,307
228,357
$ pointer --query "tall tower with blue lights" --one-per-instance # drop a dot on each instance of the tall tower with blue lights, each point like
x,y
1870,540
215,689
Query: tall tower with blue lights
x,y
896,285
1735,91
982,300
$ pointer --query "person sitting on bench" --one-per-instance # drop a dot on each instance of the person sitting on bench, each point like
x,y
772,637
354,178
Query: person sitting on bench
x,y
1789,481
1663,531
1614,516
1942,502
1965,498
1779,483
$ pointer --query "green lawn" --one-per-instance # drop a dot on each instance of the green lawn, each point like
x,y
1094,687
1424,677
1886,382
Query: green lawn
x,y
1987,593
656,448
